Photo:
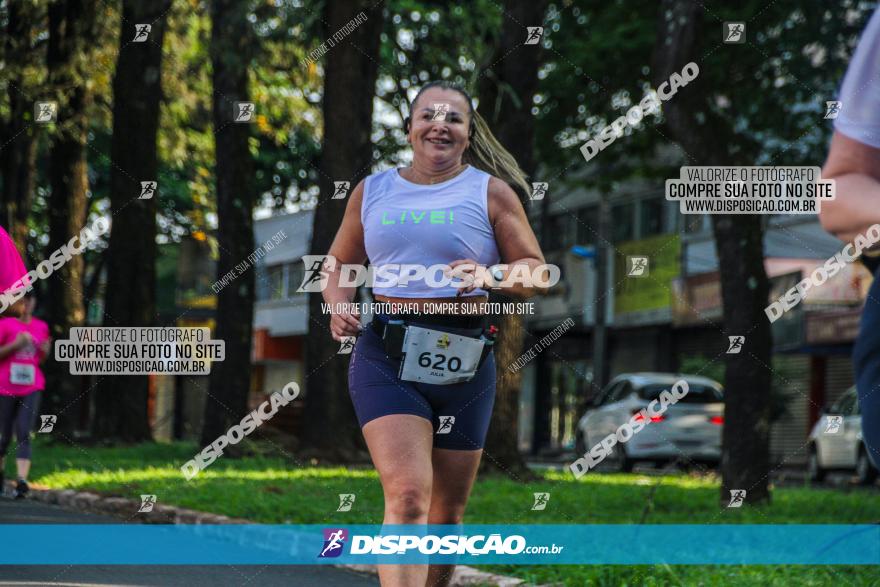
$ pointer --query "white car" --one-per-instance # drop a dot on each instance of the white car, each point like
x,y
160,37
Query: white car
x,y
689,429
836,442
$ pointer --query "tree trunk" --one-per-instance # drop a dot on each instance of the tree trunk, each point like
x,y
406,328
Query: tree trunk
x,y
506,94
745,443
351,70
231,52
121,406
19,144
69,56
709,140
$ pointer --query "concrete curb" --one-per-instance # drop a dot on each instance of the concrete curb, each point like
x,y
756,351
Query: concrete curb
x,y
166,514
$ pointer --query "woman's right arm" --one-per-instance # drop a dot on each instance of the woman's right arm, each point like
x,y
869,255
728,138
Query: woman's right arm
x,y
347,247
20,342
856,169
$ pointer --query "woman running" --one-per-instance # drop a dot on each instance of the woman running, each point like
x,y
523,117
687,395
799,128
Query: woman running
x,y
24,344
854,163
424,416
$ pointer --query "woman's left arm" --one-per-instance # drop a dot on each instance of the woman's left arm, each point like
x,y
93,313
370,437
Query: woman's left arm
x,y
515,239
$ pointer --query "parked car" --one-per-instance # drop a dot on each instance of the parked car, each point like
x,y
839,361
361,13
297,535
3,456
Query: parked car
x,y
690,428
836,442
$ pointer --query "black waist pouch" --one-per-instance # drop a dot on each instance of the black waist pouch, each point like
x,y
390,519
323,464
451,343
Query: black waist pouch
x,y
393,340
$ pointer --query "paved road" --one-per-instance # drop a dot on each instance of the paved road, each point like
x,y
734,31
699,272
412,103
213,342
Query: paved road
x,y
32,512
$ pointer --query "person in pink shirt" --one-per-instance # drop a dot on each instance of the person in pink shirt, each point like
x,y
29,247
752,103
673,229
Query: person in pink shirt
x,y
11,270
24,344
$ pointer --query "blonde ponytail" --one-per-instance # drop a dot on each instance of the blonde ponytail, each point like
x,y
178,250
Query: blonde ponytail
x,y
487,154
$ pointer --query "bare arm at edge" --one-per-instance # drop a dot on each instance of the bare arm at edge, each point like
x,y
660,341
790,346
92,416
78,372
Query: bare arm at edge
x,y
855,167
514,236
348,247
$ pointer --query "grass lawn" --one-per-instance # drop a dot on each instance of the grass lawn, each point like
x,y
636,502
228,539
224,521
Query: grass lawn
x,y
268,489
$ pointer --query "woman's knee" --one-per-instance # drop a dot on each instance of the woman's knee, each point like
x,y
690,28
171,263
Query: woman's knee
x,y
407,501
447,513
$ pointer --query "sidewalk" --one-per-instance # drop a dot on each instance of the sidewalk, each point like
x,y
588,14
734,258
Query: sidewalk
x,y
27,511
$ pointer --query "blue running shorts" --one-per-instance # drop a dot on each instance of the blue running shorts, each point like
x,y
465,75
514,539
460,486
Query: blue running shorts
x,y
459,413
866,358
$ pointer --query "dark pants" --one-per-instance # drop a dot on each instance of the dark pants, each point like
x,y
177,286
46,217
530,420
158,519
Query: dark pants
x,y
866,359
18,413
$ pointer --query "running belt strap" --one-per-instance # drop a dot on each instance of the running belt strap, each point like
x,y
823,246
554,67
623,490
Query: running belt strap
x,y
393,336
449,320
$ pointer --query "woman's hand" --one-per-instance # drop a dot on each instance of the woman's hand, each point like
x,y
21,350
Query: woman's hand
x,y
345,323
471,273
23,340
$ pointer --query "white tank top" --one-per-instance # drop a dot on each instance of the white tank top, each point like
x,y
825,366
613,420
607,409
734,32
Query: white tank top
x,y
428,225
859,116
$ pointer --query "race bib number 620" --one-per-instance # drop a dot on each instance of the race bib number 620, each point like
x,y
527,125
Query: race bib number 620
x,y
441,358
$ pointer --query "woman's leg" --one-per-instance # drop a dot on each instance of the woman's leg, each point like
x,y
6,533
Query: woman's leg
x,y
454,474
8,406
400,446
24,425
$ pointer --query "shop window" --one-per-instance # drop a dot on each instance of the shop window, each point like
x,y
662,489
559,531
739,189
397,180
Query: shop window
x,y
560,234
653,214
275,282
295,273
588,225
622,222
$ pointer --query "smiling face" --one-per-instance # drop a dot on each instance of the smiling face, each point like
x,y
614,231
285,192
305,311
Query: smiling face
x,y
439,126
